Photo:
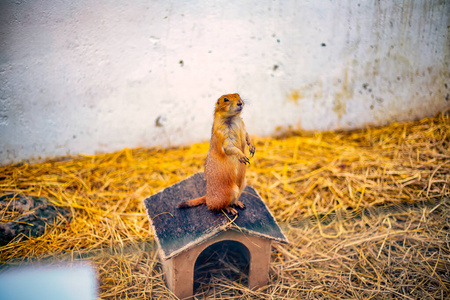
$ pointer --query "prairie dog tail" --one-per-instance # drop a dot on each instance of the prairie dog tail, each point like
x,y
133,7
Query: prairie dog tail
x,y
192,202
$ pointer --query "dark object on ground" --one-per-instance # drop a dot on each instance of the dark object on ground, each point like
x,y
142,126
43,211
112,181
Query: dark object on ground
x,y
28,216
195,242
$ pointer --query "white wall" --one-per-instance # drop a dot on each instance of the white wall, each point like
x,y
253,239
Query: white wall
x,y
87,76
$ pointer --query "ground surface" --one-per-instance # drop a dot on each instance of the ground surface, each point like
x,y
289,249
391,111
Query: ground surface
x,y
366,212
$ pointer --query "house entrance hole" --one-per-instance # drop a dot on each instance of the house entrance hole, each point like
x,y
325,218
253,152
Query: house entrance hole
x,y
224,261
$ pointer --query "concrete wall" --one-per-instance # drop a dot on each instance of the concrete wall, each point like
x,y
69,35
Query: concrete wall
x,y
87,76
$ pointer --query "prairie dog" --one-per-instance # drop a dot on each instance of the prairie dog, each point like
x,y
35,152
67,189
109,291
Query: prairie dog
x,y
226,162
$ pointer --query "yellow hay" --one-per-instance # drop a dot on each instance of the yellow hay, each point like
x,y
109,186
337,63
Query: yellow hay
x,y
319,186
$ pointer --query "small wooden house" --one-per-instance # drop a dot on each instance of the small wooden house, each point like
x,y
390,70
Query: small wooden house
x,y
183,234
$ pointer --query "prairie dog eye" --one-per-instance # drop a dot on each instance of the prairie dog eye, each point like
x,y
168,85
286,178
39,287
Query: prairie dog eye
x,y
225,100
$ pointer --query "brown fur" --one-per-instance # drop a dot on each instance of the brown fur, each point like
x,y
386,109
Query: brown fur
x,y
226,162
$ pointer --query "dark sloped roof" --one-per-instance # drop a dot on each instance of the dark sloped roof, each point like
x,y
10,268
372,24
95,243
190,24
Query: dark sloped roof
x,y
177,230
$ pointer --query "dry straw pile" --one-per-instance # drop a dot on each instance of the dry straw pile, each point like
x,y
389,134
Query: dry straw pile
x,y
366,212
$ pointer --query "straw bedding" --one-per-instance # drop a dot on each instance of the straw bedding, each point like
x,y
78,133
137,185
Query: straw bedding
x,y
366,212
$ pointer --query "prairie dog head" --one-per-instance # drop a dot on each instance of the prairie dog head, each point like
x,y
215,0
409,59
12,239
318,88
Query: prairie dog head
x,y
229,105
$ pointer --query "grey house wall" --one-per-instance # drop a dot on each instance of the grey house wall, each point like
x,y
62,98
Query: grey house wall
x,y
87,76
